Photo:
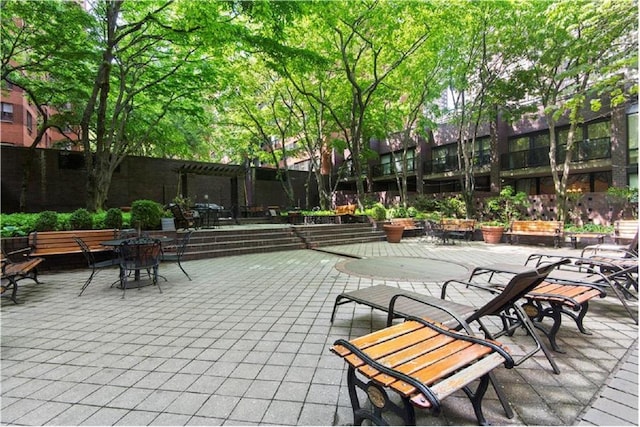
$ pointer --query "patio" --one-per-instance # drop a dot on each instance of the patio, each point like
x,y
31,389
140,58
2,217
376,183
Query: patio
x,y
247,342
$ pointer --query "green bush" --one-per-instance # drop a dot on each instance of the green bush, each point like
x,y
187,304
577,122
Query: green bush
x,y
426,203
46,221
113,218
377,212
146,214
398,212
81,219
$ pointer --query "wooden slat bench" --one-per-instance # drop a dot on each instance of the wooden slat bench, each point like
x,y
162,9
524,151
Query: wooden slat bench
x,y
46,243
423,362
345,210
625,230
553,229
411,227
13,272
456,227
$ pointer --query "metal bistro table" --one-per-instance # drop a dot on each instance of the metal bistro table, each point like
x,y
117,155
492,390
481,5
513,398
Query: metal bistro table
x,y
209,214
138,242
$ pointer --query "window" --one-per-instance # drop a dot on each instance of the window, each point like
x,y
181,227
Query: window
x,y
519,144
29,123
599,130
7,112
632,132
385,164
541,140
483,151
563,136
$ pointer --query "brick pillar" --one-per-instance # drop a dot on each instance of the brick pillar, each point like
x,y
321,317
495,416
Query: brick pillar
x,y
619,147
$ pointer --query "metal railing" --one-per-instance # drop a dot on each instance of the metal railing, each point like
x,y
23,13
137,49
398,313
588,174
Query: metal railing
x,y
386,169
590,149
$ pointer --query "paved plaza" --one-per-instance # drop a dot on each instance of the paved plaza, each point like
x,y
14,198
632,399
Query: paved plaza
x,y
247,342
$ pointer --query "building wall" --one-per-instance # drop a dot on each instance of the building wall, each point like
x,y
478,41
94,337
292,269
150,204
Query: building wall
x,y
15,132
55,187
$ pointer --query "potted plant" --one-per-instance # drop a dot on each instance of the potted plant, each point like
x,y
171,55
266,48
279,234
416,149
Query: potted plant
x,y
492,231
500,211
393,232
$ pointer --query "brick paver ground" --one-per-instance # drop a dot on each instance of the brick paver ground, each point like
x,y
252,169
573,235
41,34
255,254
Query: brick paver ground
x,y
247,342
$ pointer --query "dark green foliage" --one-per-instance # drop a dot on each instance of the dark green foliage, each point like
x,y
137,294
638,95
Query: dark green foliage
x,y
113,218
47,221
146,214
426,203
378,212
81,219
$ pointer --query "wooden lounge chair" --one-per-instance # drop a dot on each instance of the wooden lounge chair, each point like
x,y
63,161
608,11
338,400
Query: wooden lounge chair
x,y
424,360
399,303
620,277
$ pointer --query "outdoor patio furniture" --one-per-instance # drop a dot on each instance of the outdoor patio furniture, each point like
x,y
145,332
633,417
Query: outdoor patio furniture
x,y
136,255
176,251
94,265
399,303
14,271
621,278
183,218
558,294
423,362
629,250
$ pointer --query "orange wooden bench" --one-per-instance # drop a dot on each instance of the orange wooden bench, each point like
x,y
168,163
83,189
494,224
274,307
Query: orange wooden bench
x,y
421,361
410,225
457,227
553,229
345,210
45,243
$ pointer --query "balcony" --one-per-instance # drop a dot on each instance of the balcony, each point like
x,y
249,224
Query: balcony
x,y
593,149
388,169
450,163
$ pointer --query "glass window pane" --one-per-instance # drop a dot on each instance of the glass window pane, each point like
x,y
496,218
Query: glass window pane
x,y
599,130
519,144
563,136
541,140
632,132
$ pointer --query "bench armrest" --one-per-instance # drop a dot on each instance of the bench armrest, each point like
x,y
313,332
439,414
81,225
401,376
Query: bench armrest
x,y
24,252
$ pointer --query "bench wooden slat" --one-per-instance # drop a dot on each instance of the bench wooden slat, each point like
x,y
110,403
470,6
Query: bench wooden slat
x,y
461,379
443,367
45,243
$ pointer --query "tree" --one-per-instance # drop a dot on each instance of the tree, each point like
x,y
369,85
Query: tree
x,y
362,48
38,42
481,54
579,54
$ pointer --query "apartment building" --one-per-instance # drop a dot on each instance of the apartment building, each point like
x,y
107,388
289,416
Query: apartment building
x,y
606,155
19,121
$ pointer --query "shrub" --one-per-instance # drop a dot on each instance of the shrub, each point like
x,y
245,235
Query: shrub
x,y
81,219
113,218
398,212
453,207
426,203
47,221
146,214
377,212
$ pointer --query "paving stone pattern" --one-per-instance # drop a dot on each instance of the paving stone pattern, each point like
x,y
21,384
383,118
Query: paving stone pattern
x,y
247,342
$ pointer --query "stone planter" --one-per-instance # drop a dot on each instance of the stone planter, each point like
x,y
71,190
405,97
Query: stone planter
x,y
393,232
492,233
168,224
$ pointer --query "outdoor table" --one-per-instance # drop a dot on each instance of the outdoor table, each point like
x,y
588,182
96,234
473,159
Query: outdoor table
x,y
135,241
208,214
574,236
